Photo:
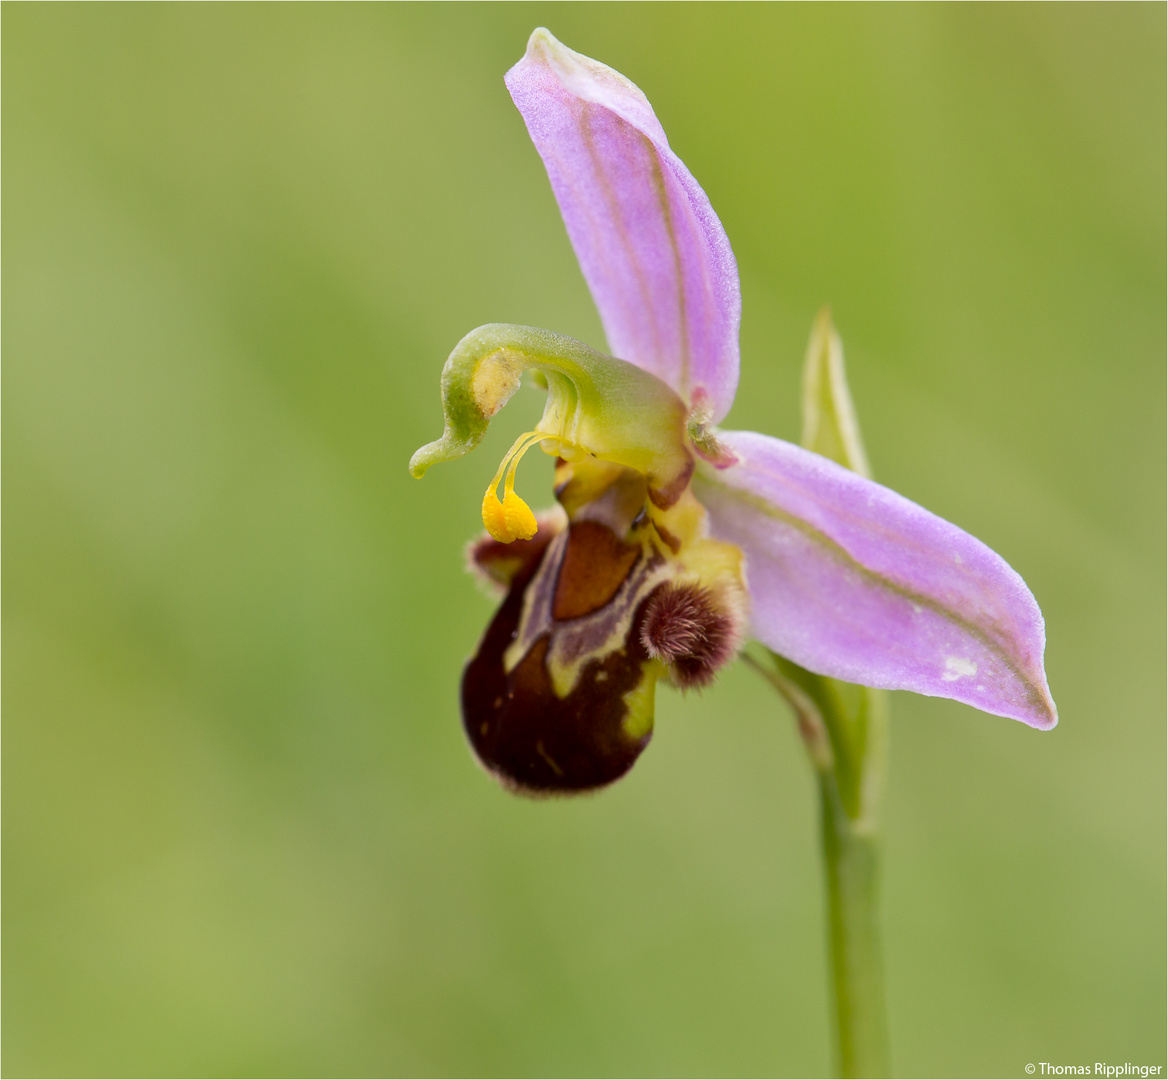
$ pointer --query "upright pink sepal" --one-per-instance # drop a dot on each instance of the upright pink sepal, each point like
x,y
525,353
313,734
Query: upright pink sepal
x,y
851,580
651,247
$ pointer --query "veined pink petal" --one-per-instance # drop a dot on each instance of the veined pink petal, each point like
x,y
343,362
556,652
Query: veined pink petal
x,y
651,247
851,580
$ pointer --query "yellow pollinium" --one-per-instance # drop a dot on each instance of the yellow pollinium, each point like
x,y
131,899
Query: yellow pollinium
x,y
510,518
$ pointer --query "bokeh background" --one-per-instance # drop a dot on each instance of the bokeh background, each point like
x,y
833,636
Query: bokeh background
x,y
243,836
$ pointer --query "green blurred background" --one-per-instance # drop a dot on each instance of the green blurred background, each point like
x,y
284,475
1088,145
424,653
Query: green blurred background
x,y
243,833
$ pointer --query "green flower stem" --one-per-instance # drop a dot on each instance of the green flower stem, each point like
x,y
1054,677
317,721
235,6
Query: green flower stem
x,y
852,862
845,730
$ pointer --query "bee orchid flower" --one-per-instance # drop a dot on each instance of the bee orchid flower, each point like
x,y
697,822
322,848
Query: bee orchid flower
x,y
674,541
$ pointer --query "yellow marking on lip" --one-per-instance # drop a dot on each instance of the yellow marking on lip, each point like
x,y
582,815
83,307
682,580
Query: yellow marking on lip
x,y
539,749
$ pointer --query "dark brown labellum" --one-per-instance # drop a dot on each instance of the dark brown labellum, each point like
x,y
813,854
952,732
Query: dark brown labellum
x,y
582,589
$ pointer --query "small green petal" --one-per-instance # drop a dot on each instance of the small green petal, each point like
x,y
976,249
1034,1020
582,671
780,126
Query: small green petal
x,y
830,426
